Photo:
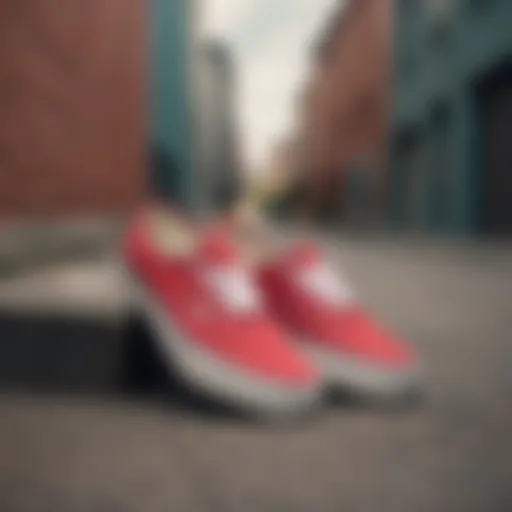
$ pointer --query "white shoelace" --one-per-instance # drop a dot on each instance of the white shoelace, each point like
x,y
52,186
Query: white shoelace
x,y
234,288
321,281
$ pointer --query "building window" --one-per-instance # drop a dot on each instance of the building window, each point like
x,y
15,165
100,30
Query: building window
x,y
441,9
479,4
441,13
406,65
441,162
408,7
440,33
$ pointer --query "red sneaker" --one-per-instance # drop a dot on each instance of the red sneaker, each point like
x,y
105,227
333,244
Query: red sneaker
x,y
208,319
354,353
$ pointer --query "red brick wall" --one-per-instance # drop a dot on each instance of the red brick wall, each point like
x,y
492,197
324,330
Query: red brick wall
x,y
347,111
71,106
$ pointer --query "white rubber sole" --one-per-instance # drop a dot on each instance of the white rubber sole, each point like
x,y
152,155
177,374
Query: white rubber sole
x,y
350,374
218,379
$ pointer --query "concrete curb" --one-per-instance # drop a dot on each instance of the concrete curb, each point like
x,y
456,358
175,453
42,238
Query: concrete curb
x,y
28,244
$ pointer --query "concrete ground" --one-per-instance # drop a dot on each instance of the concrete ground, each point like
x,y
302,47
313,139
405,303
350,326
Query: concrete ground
x,y
452,453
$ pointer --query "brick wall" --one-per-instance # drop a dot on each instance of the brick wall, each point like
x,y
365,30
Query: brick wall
x,y
347,111
71,106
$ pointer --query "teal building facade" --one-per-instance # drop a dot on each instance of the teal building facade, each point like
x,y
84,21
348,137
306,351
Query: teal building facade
x,y
171,42
451,156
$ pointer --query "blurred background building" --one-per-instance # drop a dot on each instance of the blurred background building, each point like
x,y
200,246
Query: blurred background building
x,y
76,134
405,116
72,111
451,151
174,34
345,108
217,131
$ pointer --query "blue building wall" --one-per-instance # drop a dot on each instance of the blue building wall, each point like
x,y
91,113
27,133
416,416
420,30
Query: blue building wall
x,y
170,122
437,65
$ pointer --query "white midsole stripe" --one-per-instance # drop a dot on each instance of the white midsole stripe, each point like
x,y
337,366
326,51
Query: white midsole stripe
x,y
211,375
355,374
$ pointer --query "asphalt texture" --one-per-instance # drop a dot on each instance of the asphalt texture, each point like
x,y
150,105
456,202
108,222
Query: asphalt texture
x,y
450,452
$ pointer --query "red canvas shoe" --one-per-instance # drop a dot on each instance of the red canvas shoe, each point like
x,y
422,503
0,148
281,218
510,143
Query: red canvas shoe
x,y
208,319
318,309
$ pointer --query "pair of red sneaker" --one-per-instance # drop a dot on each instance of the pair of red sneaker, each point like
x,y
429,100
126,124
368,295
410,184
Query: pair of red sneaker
x,y
270,336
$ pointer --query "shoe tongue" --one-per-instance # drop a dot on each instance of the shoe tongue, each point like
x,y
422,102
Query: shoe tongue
x,y
225,275
216,249
301,256
315,276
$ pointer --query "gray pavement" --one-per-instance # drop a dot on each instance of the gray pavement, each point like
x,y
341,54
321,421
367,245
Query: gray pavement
x,y
453,453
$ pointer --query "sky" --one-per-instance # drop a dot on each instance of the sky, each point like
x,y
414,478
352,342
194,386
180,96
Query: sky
x,y
271,40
